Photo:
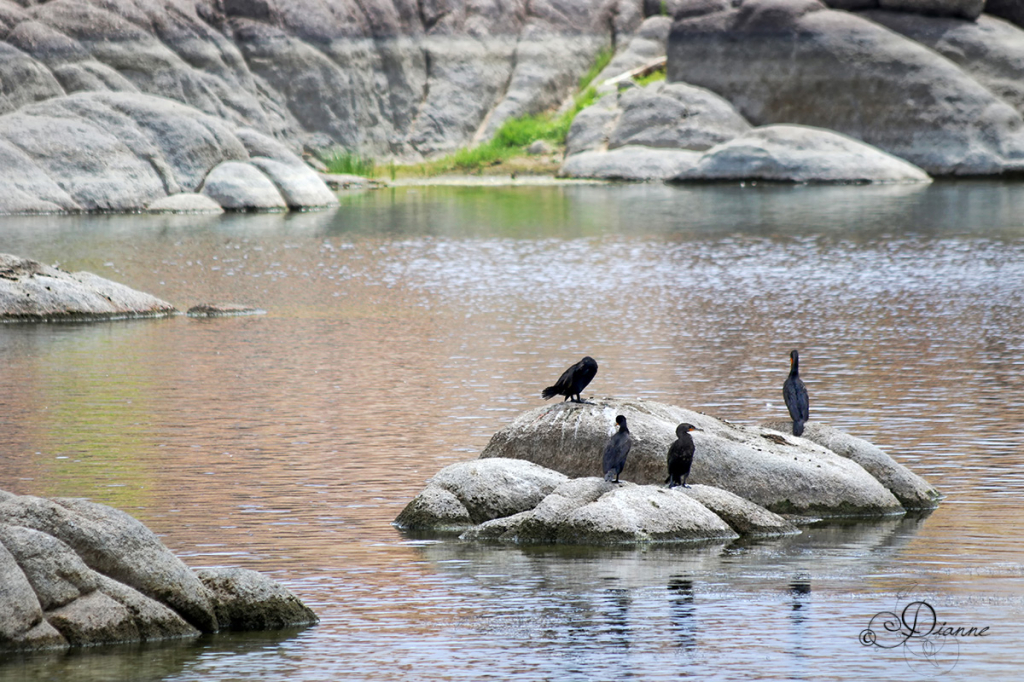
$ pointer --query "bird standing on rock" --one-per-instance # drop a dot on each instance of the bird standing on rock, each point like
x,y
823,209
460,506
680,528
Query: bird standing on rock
x,y
573,380
616,451
795,394
680,456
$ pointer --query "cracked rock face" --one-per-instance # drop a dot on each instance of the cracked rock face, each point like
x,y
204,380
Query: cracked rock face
x,y
77,573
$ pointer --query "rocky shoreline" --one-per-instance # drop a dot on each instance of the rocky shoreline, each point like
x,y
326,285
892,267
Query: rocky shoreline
x,y
77,573
192,105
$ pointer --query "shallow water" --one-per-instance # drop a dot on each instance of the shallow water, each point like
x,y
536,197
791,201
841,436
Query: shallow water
x,y
406,327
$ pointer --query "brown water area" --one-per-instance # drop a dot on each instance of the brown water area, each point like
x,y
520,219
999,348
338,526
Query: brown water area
x,y
406,327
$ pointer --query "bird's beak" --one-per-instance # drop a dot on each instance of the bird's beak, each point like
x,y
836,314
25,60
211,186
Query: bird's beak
x,y
696,429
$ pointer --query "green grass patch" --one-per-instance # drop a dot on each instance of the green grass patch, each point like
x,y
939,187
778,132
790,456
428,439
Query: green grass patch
x,y
651,78
350,164
602,60
509,141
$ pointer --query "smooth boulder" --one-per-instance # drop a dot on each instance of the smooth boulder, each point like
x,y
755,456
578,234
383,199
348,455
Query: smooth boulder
x,y
468,493
33,292
790,153
78,573
520,502
786,475
802,63
911,490
633,163
592,511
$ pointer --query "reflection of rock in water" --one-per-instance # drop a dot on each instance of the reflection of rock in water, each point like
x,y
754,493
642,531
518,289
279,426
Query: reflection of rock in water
x,y
681,611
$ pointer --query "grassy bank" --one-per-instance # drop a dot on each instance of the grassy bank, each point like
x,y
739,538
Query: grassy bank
x,y
507,149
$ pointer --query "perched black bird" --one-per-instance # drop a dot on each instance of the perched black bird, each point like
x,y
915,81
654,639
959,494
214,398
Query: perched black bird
x,y
795,394
616,450
573,380
680,456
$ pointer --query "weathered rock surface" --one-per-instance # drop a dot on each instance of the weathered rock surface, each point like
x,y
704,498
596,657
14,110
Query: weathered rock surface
x,y
647,45
185,202
594,512
472,492
242,187
782,474
661,115
630,163
655,132
33,292
77,573
743,516
117,151
789,153
990,50
911,490
800,62
247,600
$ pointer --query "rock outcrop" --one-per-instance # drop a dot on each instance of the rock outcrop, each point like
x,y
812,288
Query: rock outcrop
x,y
537,481
789,153
129,105
33,292
800,62
77,573
780,472
117,151
512,500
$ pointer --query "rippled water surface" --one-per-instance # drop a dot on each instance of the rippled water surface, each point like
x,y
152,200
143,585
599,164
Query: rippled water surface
x,y
406,327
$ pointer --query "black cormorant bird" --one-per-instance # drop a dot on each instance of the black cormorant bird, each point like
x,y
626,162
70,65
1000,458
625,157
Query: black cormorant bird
x,y
616,450
795,394
573,380
680,456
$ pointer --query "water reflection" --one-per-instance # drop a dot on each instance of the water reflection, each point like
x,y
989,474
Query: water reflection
x,y
409,324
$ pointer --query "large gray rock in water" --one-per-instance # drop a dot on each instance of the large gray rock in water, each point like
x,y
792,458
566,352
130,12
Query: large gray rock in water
x,y
788,153
799,62
911,490
591,511
468,493
247,600
77,573
630,163
33,292
243,187
517,501
782,474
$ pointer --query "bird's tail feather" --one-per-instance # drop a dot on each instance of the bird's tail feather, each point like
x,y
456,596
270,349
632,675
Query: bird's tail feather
x,y
549,392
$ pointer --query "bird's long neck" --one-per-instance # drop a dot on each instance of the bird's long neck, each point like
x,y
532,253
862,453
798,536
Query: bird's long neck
x,y
794,371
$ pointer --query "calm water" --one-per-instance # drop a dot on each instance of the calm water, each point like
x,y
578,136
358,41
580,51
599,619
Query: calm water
x,y
409,325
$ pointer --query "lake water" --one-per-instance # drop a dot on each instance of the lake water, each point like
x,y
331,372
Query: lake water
x,y
406,327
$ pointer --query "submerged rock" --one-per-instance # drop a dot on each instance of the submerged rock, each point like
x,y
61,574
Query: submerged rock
x,y
33,292
223,310
783,474
77,573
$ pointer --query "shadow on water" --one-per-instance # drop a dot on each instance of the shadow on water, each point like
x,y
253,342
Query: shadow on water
x,y
138,662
